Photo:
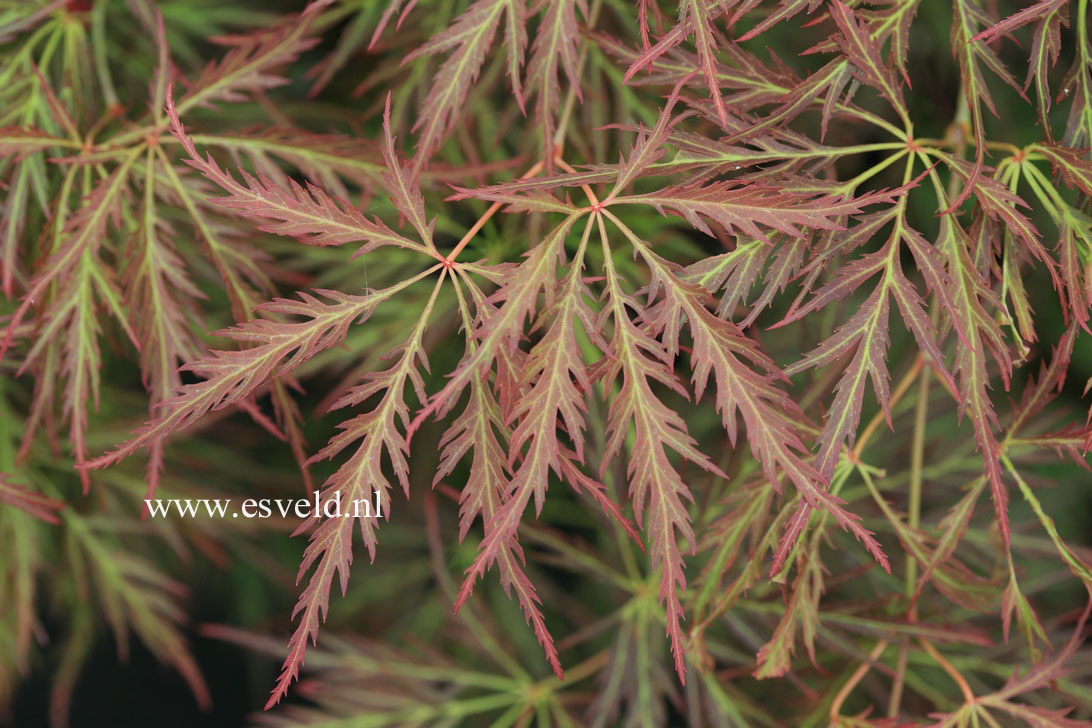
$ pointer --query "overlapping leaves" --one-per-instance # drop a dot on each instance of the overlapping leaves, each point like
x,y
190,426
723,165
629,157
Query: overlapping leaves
x,y
649,327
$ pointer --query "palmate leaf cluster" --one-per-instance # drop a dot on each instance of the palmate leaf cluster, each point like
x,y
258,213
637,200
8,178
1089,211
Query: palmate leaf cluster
x,y
695,324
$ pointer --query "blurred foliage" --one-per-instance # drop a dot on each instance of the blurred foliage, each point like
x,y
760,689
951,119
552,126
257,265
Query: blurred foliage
x,y
119,262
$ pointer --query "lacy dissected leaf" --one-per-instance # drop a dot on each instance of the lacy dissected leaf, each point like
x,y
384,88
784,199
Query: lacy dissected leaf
x,y
863,51
786,263
785,10
277,348
490,485
389,12
309,215
135,596
1042,675
161,299
825,86
734,273
802,612
698,16
702,154
328,159
66,293
532,186
13,216
469,38
521,199
972,300
18,496
360,480
892,24
973,55
649,146
865,334
695,18
239,265
655,483
772,418
250,65
1044,388
74,314
754,83
516,300
553,378
1073,248
405,193
554,49
1071,164
82,234
560,360
475,432
1049,16
783,154
939,567
745,207
1003,205
1036,12
1077,84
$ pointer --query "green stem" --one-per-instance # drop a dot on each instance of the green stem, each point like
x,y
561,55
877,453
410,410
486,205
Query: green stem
x,y
1082,26
917,459
102,67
